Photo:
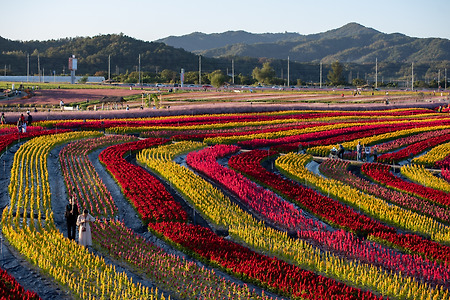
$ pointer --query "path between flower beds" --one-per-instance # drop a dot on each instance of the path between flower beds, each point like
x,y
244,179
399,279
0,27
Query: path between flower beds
x,y
11,261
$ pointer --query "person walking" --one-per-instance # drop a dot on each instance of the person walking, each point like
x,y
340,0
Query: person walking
x,y
358,151
71,215
375,153
29,118
84,231
19,125
3,119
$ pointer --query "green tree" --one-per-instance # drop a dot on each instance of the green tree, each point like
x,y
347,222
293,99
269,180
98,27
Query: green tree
x,y
358,82
169,76
265,74
335,75
217,78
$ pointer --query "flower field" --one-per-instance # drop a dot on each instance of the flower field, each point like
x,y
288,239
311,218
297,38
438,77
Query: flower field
x,y
234,206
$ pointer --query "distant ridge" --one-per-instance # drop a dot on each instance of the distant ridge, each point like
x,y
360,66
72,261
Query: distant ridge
x,y
353,43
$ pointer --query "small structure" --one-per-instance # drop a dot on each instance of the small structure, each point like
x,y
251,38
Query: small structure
x,y
114,100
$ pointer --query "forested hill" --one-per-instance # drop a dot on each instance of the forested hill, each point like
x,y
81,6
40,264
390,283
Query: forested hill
x,y
92,54
352,43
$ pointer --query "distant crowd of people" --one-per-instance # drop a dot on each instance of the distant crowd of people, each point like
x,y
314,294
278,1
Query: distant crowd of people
x,y
22,123
363,153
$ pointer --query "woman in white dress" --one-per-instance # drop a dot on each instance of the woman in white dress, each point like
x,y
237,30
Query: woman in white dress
x,y
84,230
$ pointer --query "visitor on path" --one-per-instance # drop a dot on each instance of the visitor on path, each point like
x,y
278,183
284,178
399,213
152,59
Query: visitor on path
x,y
358,151
367,153
3,119
71,215
29,118
375,153
341,151
19,124
84,231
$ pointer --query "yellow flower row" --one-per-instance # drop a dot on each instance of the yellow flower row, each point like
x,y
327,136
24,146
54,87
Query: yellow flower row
x,y
436,154
47,123
375,139
125,130
72,266
420,175
280,134
218,209
293,165
86,275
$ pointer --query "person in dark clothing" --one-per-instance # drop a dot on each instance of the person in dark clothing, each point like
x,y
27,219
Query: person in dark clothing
x,y
71,215
29,119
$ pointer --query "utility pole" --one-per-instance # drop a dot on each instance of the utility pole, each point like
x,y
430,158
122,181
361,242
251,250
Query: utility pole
x,y
109,67
232,70
139,70
288,73
445,78
200,69
28,65
412,76
320,74
376,72
439,78
39,68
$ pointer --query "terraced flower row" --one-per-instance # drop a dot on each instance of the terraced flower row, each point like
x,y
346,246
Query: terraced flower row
x,y
180,277
244,229
294,166
402,129
340,241
146,193
338,170
36,237
80,176
380,173
11,289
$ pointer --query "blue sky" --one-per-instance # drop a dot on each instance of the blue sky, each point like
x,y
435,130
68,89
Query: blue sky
x,y
150,20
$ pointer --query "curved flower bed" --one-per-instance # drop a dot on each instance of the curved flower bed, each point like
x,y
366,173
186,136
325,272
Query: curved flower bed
x,y
11,289
294,165
261,201
404,129
256,235
249,163
413,149
420,175
152,201
380,173
70,264
406,141
337,169
79,175
435,155
325,208
276,274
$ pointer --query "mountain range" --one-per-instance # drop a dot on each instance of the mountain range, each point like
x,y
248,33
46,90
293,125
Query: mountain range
x,y
352,43
355,46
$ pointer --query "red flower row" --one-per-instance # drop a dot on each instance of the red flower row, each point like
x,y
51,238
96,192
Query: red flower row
x,y
244,117
324,207
337,169
413,149
335,136
11,289
265,203
148,195
272,273
317,138
415,244
10,138
380,173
